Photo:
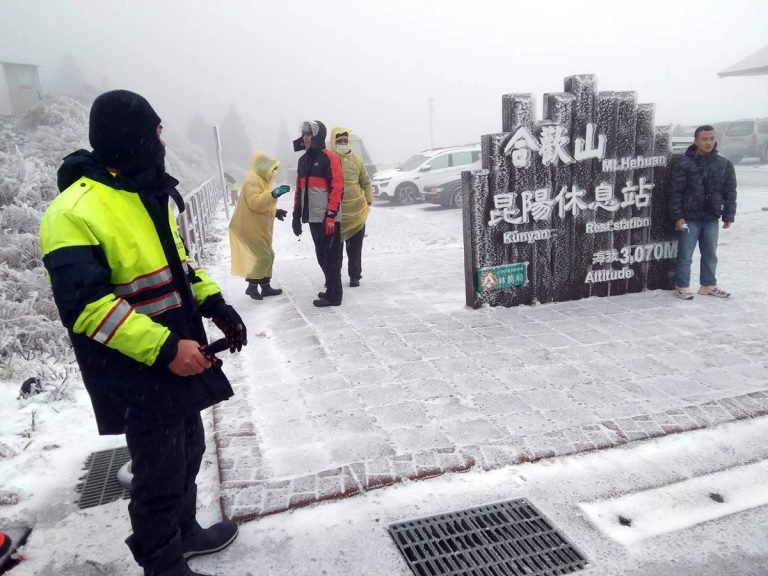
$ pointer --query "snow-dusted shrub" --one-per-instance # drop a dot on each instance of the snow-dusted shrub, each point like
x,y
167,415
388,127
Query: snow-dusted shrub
x,y
29,322
20,251
54,128
26,181
19,218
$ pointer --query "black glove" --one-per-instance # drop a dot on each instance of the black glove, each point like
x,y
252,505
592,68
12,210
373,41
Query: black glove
x,y
296,224
281,214
229,322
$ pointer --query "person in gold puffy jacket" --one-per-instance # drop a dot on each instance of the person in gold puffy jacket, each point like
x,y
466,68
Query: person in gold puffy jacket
x,y
356,203
251,227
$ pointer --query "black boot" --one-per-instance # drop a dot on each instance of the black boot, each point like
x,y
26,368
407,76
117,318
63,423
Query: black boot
x,y
253,290
324,302
195,540
354,282
198,541
331,297
267,290
166,561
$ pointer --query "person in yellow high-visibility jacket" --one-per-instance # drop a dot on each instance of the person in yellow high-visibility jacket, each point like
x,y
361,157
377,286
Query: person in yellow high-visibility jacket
x,y
133,304
356,203
251,227
232,188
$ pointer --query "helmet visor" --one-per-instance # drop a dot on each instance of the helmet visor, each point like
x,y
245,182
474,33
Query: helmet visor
x,y
310,127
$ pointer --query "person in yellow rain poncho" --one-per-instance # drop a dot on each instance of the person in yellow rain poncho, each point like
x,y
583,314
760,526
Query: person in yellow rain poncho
x,y
250,230
356,202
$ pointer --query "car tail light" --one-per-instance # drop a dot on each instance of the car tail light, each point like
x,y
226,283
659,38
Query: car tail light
x,y
754,139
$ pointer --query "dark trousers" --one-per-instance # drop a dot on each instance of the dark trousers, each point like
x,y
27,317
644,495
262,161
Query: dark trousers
x,y
330,255
164,462
355,254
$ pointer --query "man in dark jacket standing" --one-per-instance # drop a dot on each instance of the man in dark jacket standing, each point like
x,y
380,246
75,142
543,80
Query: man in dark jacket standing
x,y
133,304
319,189
702,190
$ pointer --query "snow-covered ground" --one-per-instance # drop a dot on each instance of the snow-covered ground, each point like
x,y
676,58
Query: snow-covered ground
x,y
325,388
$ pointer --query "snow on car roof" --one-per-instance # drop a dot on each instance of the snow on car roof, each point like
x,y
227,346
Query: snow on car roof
x,y
436,151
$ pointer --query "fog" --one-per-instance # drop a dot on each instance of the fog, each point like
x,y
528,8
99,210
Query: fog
x,y
374,65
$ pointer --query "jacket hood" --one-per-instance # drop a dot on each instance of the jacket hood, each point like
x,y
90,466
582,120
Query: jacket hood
x,y
79,164
264,165
318,140
83,163
335,131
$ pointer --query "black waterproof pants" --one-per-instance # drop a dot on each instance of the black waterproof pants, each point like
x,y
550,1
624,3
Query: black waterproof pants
x,y
164,462
330,255
355,255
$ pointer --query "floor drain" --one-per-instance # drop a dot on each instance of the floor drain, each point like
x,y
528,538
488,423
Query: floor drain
x,y
503,539
101,485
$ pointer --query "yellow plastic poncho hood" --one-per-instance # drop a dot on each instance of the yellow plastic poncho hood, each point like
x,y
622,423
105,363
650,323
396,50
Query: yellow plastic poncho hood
x,y
357,188
250,230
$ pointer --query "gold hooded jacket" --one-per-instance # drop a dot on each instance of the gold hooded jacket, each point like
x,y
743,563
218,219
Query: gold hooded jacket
x,y
357,188
250,230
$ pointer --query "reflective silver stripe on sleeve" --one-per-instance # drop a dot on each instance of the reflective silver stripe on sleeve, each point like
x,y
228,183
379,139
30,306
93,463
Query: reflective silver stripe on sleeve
x,y
116,316
157,305
144,282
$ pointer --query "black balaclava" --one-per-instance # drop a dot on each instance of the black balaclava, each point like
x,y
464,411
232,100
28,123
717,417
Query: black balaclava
x,y
123,135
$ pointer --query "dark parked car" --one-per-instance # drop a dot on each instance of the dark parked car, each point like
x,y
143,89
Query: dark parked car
x,y
448,194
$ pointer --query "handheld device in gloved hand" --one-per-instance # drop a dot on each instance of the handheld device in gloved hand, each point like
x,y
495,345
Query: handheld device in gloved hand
x,y
280,190
210,350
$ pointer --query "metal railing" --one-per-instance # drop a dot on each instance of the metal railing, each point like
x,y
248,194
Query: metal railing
x,y
195,220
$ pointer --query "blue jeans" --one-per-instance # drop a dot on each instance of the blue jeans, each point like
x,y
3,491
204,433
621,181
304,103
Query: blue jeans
x,y
704,232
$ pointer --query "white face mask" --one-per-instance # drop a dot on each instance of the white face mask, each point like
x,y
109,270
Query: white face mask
x,y
343,148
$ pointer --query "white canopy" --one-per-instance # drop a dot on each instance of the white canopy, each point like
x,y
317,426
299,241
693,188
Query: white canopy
x,y
753,65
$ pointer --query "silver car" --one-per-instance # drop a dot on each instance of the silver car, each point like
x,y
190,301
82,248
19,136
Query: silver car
x,y
744,139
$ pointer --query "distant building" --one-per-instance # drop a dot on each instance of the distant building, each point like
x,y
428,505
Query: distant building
x,y
19,87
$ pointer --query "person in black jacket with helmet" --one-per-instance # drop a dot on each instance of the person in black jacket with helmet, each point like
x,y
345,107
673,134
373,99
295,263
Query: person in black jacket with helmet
x,y
133,304
319,190
702,190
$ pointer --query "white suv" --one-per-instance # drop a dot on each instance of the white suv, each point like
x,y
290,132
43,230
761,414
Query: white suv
x,y
405,184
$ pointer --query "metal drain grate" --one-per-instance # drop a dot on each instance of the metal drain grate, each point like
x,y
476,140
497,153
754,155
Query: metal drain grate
x,y
100,485
503,539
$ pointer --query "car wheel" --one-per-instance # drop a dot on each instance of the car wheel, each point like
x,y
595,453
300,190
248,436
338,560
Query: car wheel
x,y
764,155
735,158
406,193
456,198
